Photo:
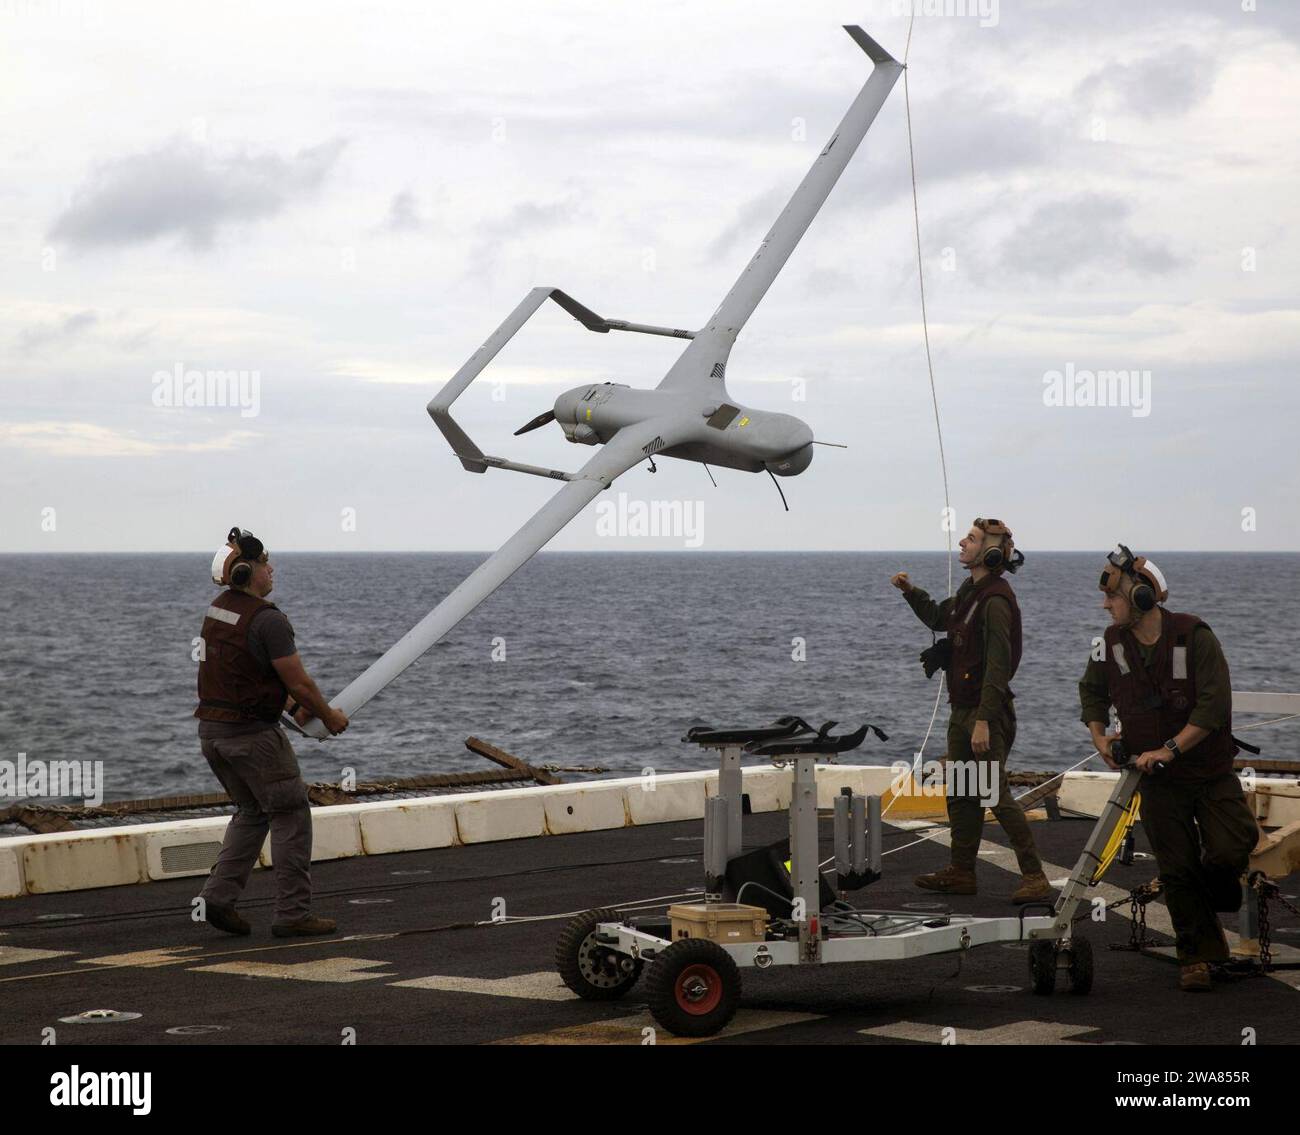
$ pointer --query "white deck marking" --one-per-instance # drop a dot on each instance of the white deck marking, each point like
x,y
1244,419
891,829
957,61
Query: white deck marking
x,y
146,959
325,969
632,1030
543,986
16,955
1020,1032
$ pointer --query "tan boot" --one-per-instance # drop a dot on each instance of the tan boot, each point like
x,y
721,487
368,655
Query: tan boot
x,y
310,926
1033,888
951,881
1194,978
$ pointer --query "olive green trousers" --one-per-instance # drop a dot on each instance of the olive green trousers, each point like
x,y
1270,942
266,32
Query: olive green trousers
x,y
978,782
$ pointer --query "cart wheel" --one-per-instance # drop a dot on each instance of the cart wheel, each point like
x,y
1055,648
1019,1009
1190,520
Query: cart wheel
x,y
1042,966
693,987
594,971
1080,966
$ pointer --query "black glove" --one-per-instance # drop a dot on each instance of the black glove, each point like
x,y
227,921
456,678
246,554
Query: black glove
x,y
936,657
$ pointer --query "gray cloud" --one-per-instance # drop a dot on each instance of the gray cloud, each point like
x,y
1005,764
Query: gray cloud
x,y
512,229
182,189
532,217
980,138
749,221
1171,82
403,214
822,282
752,105
60,331
1089,24
1089,229
960,133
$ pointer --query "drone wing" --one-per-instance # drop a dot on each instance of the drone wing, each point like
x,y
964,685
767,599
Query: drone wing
x,y
626,448
703,364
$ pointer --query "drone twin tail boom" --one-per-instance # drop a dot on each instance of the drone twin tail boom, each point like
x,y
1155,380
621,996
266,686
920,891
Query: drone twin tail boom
x,y
689,415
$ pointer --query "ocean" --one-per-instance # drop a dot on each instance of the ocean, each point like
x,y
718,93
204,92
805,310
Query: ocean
x,y
583,659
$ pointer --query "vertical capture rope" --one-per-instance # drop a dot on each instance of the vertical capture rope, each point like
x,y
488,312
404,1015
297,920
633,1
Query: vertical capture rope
x,y
929,365
920,276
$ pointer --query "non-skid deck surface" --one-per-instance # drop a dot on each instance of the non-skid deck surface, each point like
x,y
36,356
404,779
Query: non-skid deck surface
x,y
393,977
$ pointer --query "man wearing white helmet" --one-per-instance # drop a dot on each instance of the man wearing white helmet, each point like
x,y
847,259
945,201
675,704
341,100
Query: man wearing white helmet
x,y
249,674
1168,680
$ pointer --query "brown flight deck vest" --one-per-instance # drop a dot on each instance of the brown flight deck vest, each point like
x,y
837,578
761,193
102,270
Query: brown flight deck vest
x,y
966,633
1155,702
232,684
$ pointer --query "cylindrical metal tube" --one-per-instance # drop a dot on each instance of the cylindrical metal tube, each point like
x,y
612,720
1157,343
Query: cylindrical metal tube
x,y
715,837
873,831
859,833
841,835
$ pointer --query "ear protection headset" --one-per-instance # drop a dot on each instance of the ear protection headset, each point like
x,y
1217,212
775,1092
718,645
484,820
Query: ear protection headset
x,y
234,562
1149,587
1003,556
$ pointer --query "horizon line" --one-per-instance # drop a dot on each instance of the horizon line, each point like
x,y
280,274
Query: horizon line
x,y
632,551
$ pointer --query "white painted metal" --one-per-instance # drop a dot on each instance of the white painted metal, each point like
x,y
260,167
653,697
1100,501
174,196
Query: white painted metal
x,y
1244,701
961,933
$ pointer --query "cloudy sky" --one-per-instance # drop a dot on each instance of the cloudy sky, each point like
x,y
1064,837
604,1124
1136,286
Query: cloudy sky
x,y
343,200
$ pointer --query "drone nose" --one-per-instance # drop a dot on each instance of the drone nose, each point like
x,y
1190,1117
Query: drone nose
x,y
791,463
539,421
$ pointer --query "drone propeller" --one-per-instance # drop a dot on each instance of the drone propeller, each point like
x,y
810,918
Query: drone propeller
x,y
537,422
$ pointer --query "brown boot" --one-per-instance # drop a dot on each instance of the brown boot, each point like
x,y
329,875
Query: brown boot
x,y
951,880
1033,888
1194,978
304,927
226,918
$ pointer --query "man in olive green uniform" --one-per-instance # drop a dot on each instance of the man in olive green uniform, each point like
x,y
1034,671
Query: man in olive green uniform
x,y
980,654
1166,676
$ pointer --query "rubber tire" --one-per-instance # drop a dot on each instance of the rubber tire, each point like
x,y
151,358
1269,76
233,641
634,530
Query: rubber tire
x,y
1042,966
1080,967
569,957
672,964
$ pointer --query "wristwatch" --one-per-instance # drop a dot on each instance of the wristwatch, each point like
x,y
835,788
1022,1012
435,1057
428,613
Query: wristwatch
x,y
1172,746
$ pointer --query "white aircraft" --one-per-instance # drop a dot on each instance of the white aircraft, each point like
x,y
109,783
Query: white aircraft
x,y
688,415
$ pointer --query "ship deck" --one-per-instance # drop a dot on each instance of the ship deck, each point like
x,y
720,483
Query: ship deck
x,y
396,973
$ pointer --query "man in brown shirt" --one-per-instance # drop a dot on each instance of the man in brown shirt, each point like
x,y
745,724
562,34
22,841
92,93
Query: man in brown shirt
x,y
249,673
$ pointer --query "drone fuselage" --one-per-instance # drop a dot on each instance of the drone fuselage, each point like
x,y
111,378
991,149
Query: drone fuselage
x,y
728,435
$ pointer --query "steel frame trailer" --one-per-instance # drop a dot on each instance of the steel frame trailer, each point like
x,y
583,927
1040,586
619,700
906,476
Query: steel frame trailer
x,y
693,983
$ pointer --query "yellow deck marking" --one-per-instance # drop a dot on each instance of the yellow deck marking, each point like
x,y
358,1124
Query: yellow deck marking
x,y
543,986
631,1030
324,969
914,800
146,959
1021,1032
16,955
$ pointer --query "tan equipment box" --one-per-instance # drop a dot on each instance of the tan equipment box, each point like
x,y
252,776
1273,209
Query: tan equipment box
x,y
722,922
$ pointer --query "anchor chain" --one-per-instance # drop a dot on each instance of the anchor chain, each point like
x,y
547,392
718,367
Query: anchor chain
x,y
1267,891
1137,900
